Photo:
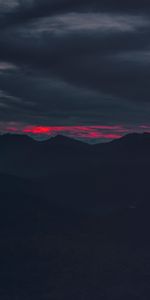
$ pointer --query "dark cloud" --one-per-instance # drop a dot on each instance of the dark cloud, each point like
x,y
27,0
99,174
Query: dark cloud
x,y
25,10
75,62
43,100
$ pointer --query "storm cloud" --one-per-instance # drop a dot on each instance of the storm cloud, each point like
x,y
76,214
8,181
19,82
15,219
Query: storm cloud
x,y
74,63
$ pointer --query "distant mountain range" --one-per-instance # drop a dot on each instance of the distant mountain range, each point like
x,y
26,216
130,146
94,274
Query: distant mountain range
x,y
91,178
21,155
72,211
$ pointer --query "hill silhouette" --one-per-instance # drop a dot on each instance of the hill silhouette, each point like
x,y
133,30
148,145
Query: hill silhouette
x,y
89,178
74,218
21,155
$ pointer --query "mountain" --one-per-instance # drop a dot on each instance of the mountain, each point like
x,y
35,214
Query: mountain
x,y
61,140
97,179
130,141
105,176
74,219
138,143
132,150
21,155
19,140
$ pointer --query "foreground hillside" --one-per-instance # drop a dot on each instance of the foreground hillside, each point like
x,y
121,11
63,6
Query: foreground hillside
x,y
79,230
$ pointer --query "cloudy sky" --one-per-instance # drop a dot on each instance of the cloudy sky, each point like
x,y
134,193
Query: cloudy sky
x,y
78,67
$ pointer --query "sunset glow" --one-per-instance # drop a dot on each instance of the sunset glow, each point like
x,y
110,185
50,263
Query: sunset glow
x,y
85,132
93,133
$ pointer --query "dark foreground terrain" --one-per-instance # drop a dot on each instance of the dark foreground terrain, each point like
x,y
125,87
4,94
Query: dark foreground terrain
x,y
74,219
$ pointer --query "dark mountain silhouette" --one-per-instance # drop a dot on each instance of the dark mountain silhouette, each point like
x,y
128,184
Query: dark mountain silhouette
x,y
134,141
129,147
137,143
21,155
17,140
61,140
96,178
74,218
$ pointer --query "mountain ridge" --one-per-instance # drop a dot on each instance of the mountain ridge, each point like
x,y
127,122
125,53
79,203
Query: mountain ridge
x,y
22,155
64,139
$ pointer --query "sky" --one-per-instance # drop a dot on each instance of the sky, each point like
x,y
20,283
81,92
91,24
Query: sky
x,y
75,67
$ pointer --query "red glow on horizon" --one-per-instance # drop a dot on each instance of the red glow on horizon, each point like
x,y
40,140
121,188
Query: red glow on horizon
x,y
37,130
94,132
85,132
